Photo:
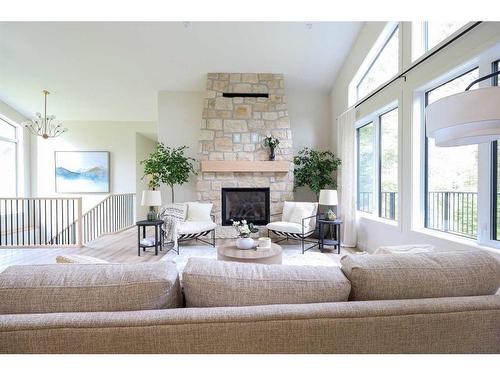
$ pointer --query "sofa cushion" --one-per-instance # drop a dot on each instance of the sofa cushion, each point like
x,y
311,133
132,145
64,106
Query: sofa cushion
x,y
199,211
89,287
422,275
211,283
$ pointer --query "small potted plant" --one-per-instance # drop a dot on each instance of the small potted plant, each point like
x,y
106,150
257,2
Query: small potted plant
x,y
244,230
272,143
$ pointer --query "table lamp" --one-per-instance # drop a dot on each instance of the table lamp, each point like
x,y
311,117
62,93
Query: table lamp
x,y
151,198
329,198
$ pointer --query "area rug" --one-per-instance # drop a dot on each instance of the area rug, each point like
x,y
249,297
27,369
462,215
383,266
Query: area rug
x,y
292,254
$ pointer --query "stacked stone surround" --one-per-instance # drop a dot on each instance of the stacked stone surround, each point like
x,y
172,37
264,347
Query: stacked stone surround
x,y
233,129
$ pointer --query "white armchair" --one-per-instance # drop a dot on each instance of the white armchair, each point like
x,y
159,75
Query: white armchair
x,y
194,221
298,221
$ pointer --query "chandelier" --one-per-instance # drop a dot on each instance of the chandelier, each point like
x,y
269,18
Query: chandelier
x,y
45,126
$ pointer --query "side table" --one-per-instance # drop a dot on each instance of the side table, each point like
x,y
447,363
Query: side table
x,y
158,242
334,239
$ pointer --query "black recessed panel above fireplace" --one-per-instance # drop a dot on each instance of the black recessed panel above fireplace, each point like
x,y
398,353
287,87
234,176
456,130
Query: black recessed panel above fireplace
x,y
251,204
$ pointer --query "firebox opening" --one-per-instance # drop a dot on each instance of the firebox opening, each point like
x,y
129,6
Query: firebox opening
x,y
251,204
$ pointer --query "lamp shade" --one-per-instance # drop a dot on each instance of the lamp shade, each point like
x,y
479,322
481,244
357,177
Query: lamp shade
x,y
328,197
469,117
151,198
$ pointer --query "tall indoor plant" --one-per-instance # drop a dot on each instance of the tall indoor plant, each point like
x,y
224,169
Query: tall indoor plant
x,y
315,169
169,166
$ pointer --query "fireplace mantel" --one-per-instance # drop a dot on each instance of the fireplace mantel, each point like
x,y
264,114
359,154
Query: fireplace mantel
x,y
279,166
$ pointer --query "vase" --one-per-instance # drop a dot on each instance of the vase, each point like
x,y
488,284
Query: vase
x,y
245,243
271,154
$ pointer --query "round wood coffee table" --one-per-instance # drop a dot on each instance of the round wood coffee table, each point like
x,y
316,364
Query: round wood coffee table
x,y
231,253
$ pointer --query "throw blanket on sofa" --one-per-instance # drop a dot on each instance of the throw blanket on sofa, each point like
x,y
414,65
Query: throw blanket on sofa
x,y
172,215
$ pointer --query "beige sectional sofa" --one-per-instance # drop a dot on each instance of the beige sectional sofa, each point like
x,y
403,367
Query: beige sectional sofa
x,y
405,303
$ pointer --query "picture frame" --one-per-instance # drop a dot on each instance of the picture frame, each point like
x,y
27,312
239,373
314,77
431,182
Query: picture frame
x,y
81,171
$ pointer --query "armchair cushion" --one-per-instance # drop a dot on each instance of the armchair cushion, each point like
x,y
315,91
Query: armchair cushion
x,y
193,227
303,210
287,210
199,211
287,227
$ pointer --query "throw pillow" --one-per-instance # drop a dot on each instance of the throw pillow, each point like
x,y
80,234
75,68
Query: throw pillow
x,y
176,210
300,211
76,258
199,211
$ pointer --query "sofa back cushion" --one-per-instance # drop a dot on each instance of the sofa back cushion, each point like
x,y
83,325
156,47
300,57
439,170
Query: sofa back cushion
x,y
89,287
422,275
211,283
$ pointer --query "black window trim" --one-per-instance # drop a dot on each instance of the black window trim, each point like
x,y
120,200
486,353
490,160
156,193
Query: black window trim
x,y
494,170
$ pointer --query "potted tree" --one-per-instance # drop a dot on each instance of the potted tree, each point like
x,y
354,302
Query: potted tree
x,y
315,169
169,166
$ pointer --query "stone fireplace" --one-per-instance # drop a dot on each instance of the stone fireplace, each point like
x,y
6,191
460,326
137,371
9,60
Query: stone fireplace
x,y
240,109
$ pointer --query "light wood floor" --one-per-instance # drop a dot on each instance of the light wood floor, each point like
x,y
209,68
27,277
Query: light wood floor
x,y
117,248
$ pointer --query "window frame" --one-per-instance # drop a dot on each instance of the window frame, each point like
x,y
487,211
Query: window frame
x,y
15,141
358,128
374,118
426,92
374,60
483,61
379,194
420,44
381,41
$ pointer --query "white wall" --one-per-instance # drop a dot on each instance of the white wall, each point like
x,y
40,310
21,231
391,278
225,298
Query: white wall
x,y
179,124
373,232
180,115
143,147
119,138
309,113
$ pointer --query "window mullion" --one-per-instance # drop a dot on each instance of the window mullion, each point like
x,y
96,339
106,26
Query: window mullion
x,y
377,166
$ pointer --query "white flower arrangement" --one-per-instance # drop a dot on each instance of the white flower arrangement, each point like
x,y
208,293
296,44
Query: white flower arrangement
x,y
243,228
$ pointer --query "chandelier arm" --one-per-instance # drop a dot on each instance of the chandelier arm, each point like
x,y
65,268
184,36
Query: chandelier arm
x,y
482,79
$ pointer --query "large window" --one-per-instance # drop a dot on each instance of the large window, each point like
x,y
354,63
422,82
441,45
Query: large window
x,y
427,35
388,197
366,167
378,164
384,66
451,175
8,159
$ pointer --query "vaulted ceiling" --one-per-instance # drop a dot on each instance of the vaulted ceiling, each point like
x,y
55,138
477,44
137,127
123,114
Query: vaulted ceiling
x,y
113,70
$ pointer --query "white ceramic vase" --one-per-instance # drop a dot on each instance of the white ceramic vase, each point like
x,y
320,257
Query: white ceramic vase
x,y
245,243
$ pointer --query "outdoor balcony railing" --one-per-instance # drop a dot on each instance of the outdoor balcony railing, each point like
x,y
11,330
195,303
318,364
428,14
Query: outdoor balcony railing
x,y
447,211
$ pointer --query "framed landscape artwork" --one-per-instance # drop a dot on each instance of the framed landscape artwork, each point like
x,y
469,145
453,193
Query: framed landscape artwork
x,y
82,171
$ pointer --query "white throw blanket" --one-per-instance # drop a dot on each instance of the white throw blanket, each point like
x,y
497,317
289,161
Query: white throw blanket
x,y
172,215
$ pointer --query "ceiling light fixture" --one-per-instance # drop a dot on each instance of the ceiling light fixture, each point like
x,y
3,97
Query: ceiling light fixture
x,y
467,118
45,126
